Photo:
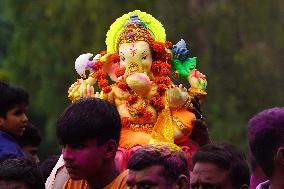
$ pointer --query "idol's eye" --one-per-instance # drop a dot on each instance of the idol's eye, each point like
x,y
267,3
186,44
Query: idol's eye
x,y
144,57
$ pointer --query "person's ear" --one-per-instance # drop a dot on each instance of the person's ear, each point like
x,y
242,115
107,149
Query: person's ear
x,y
110,148
280,155
244,186
1,121
182,182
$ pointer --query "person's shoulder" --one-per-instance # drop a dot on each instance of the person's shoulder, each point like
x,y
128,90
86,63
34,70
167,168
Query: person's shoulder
x,y
119,182
9,148
75,184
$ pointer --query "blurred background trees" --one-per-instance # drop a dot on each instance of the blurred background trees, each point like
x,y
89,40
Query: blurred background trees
x,y
239,45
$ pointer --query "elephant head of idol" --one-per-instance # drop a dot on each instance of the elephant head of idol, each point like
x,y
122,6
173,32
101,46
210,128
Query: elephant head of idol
x,y
135,56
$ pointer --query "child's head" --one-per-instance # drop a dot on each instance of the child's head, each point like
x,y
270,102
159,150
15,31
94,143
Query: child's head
x,y
89,131
20,173
13,107
30,142
47,165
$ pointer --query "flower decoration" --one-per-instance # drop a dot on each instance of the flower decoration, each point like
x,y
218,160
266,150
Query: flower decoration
x,y
158,47
132,99
180,51
98,65
102,53
168,44
100,75
119,72
103,83
160,68
157,102
114,58
125,122
123,85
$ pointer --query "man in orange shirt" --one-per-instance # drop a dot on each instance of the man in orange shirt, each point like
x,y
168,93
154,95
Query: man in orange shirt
x,y
89,131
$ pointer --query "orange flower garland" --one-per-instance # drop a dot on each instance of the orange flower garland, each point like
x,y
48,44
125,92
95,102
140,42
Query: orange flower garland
x,y
161,89
156,101
102,53
143,113
163,80
106,89
158,47
100,75
98,65
168,44
103,83
114,58
123,85
119,72
125,122
161,70
132,99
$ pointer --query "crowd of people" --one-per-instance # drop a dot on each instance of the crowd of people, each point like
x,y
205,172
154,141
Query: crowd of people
x,y
89,132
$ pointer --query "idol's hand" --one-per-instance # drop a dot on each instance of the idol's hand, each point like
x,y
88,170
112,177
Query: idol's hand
x,y
177,96
80,89
197,80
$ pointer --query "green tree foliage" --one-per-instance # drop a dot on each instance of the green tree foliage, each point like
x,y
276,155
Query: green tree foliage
x,y
239,46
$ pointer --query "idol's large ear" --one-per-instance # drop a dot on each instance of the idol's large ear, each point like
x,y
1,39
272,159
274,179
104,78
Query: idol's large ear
x,y
110,65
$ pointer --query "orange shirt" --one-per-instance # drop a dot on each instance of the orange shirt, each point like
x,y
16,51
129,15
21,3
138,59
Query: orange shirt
x,y
118,183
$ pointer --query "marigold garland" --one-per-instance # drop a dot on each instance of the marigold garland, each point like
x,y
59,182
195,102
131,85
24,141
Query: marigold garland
x,y
103,83
157,102
168,44
114,58
158,47
160,68
161,89
102,53
123,85
125,122
168,57
165,71
99,75
143,113
132,99
119,71
106,89
98,65
163,80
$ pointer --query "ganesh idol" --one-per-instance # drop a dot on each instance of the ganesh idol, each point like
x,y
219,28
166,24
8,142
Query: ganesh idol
x,y
134,74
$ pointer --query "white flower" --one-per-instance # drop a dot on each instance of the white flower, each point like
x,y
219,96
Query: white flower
x,y
81,64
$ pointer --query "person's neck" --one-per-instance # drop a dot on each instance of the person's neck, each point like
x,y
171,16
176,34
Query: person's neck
x,y
103,177
277,181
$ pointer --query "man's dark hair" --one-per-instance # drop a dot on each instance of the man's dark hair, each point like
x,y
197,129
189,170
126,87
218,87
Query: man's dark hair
x,y
10,97
266,135
173,162
89,118
47,165
23,170
227,157
31,136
